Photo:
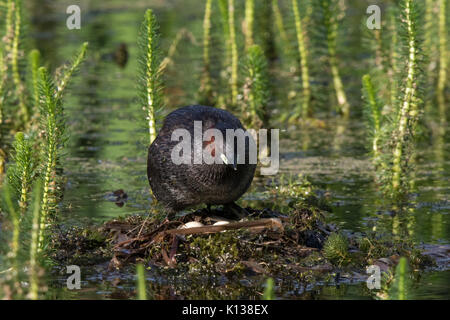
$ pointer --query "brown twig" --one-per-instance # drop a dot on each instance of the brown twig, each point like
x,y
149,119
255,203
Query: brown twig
x,y
272,223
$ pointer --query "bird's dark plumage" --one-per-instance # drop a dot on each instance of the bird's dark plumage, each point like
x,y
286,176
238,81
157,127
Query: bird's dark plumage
x,y
184,185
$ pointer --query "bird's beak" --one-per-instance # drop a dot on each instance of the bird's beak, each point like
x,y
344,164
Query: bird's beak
x,y
228,162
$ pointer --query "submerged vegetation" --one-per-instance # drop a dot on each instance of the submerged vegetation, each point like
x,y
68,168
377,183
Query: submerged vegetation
x,y
281,63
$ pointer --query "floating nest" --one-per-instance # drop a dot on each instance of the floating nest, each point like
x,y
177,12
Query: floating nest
x,y
209,241
297,246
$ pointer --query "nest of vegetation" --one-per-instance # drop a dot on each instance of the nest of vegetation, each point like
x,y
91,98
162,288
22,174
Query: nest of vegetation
x,y
266,240
298,245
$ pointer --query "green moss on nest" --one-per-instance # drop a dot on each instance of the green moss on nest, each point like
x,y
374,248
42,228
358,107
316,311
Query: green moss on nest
x,y
218,252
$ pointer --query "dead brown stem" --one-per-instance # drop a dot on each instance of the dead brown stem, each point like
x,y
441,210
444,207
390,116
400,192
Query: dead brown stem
x,y
272,223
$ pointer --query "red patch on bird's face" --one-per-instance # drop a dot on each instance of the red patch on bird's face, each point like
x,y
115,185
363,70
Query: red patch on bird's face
x,y
210,144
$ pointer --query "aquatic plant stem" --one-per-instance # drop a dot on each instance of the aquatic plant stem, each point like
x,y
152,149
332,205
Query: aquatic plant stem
x,y
140,272
19,87
256,86
49,167
150,84
375,110
268,290
279,23
399,289
70,71
35,58
338,86
331,27
393,56
3,69
379,57
234,54
168,59
20,174
429,19
306,97
442,57
407,108
206,86
223,6
9,26
15,220
429,22
151,74
249,19
34,245
52,112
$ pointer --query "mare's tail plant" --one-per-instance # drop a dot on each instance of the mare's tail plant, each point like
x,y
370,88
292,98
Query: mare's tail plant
x,y
206,85
53,129
223,6
34,241
443,52
21,172
69,70
431,44
19,242
12,42
35,62
234,53
3,69
304,66
279,23
53,126
372,110
249,22
410,101
150,79
11,264
15,60
256,91
392,71
330,12
378,43
14,218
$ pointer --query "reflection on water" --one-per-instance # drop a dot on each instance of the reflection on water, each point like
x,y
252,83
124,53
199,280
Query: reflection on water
x,y
107,149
